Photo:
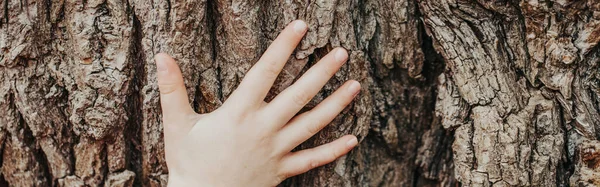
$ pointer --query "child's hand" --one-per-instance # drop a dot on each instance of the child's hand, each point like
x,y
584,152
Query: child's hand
x,y
248,142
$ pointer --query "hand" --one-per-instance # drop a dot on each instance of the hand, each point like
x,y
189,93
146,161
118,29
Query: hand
x,y
248,142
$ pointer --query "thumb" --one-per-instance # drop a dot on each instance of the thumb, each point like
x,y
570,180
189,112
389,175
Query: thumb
x,y
173,95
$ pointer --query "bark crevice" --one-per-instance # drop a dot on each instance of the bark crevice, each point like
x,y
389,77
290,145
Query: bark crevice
x,y
135,110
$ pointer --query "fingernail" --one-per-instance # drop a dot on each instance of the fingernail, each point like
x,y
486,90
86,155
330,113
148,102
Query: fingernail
x,y
354,87
352,142
300,27
341,55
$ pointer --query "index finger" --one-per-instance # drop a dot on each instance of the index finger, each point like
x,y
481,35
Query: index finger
x,y
258,81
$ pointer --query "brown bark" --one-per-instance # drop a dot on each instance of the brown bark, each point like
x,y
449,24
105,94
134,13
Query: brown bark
x,y
455,92
521,87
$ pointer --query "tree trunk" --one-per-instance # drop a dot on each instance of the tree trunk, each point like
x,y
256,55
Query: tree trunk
x,y
455,92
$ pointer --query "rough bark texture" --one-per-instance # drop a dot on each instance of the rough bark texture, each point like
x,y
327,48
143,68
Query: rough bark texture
x,y
455,92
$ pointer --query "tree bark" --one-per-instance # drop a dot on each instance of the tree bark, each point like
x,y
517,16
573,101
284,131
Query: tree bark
x,y
455,92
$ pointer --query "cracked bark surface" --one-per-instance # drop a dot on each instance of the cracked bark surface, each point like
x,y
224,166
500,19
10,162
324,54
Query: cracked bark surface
x,y
520,88
455,92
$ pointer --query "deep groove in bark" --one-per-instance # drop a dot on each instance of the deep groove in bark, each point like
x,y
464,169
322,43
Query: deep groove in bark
x,y
38,154
212,19
566,166
5,6
133,132
168,15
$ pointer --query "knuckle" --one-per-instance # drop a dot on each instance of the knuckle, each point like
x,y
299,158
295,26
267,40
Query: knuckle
x,y
279,179
342,104
327,71
311,164
242,117
264,138
300,98
282,175
270,70
334,154
314,127
167,88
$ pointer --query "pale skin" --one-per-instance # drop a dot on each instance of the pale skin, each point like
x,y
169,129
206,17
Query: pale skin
x,y
247,141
